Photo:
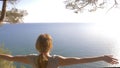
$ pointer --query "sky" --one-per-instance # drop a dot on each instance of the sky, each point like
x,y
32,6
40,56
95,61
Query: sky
x,y
54,11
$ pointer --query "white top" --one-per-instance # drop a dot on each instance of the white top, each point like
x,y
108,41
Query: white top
x,y
52,61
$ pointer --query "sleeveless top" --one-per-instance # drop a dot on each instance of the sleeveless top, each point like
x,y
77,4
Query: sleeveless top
x,y
52,61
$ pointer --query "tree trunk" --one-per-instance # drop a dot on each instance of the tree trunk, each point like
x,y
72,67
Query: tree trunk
x,y
3,13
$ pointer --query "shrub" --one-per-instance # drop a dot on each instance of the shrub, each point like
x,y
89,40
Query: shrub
x,y
5,63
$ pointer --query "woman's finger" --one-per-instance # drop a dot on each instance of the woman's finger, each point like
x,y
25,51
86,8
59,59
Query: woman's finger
x,y
115,59
114,62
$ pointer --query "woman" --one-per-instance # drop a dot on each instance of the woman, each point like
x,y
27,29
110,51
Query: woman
x,y
45,60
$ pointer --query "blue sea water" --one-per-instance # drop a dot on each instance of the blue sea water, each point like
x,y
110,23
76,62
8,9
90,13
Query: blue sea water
x,y
69,40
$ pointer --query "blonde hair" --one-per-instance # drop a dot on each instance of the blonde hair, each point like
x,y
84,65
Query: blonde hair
x,y
43,45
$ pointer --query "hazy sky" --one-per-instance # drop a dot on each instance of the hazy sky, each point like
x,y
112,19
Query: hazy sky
x,y
40,11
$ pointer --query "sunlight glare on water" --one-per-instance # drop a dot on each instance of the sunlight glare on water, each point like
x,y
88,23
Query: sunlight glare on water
x,y
112,33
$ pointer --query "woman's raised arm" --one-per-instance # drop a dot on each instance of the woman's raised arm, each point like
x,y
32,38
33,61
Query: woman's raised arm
x,y
22,59
70,61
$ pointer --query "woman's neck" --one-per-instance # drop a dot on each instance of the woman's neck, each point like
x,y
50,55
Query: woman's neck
x,y
47,54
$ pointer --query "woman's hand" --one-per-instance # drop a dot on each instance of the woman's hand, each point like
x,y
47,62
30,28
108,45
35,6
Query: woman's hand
x,y
110,59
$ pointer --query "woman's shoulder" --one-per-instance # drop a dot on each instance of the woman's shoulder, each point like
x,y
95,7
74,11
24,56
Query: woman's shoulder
x,y
62,57
58,56
32,55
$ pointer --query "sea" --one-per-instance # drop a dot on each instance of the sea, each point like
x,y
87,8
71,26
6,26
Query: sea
x,y
69,40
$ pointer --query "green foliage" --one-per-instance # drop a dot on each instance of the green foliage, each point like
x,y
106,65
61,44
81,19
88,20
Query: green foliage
x,y
22,66
3,50
15,15
4,63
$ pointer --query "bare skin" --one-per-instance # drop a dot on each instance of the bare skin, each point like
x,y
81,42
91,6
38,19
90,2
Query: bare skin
x,y
63,60
69,61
